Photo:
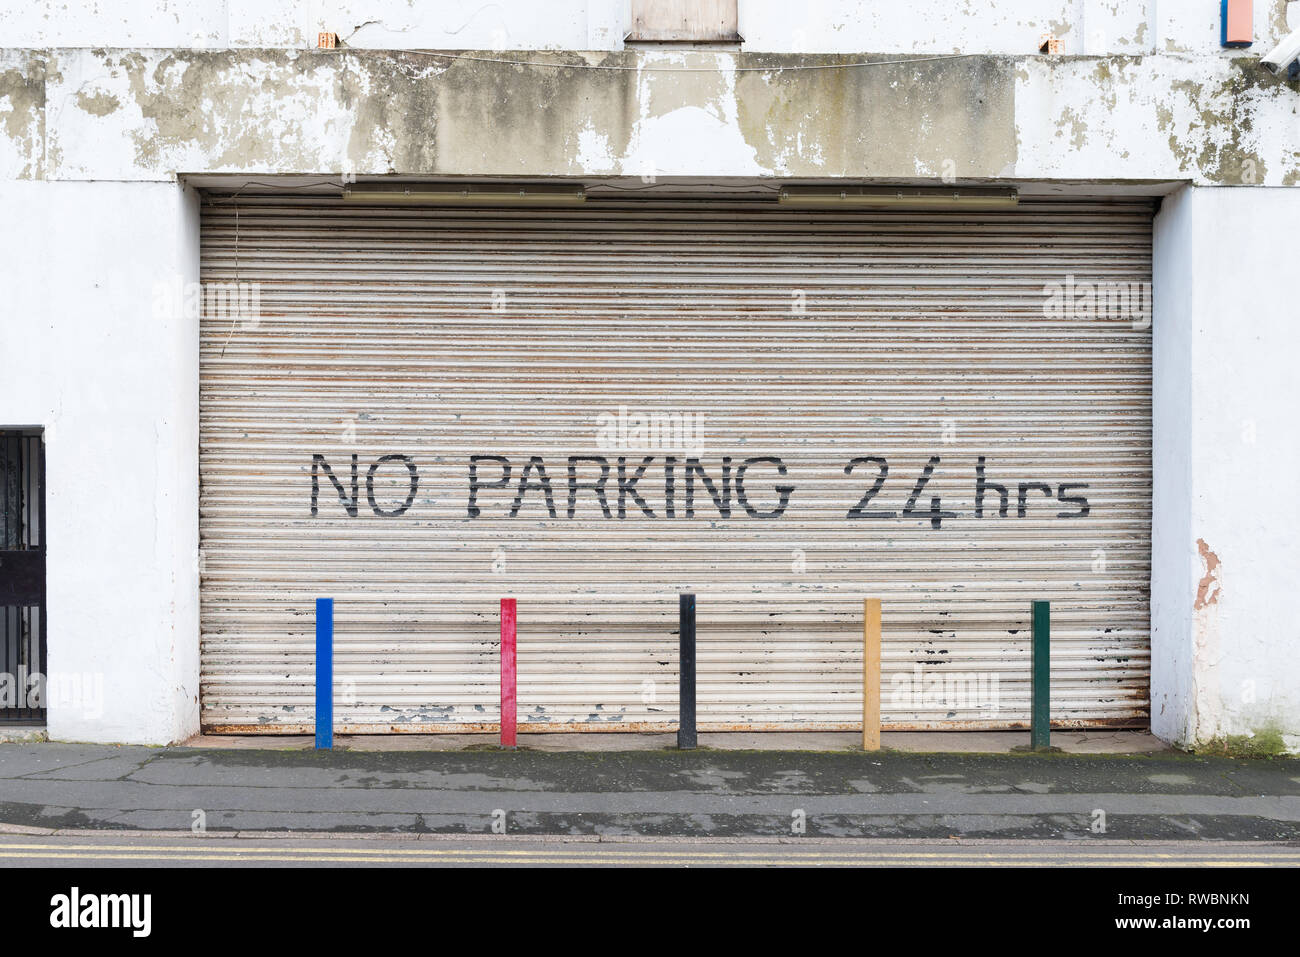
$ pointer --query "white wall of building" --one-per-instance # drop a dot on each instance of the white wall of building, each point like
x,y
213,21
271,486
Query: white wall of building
x,y
84,354
93,140
1226,443
1089,27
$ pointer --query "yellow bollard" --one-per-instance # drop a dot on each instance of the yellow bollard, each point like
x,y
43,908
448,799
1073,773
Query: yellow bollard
x,y
871,674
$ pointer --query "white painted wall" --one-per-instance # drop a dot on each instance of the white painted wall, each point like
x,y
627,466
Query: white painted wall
x,y
383,24
116,387
1225,561
83,252
1093,27
1194,26
933,26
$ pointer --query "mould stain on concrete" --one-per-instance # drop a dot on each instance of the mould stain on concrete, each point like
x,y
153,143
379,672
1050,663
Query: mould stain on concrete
x,y
883,120
283,109
510,119
1215,142
22,113
1277,23
98,104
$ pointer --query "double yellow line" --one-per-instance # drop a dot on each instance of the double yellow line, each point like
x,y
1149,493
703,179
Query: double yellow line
x,y
36,852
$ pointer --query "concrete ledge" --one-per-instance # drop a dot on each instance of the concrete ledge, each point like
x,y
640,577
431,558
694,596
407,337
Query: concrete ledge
x,y
915,742
141,114
22,735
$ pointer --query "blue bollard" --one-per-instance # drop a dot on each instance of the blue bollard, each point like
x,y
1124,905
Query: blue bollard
x,y
324,673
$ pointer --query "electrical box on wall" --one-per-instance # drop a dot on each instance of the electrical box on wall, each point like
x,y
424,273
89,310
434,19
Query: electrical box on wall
x,y
1238,23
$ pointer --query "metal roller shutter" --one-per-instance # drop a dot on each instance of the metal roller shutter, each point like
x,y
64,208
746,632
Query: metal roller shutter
x,y
816,337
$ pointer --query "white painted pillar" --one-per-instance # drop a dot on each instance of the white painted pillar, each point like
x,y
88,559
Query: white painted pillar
x,y
1226,639
116,387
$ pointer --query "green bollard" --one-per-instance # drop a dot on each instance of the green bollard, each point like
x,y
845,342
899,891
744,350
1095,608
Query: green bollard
x,y
1040,684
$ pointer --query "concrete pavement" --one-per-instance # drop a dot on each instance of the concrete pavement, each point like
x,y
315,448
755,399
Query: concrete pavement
x,y
704,794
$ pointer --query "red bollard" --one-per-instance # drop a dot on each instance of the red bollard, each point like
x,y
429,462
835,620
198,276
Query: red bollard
x,y
508,717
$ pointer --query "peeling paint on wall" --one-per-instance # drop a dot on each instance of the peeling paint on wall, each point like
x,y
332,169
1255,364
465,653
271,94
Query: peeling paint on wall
x,y
1213,120
1207,592
1217,136
1208,700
